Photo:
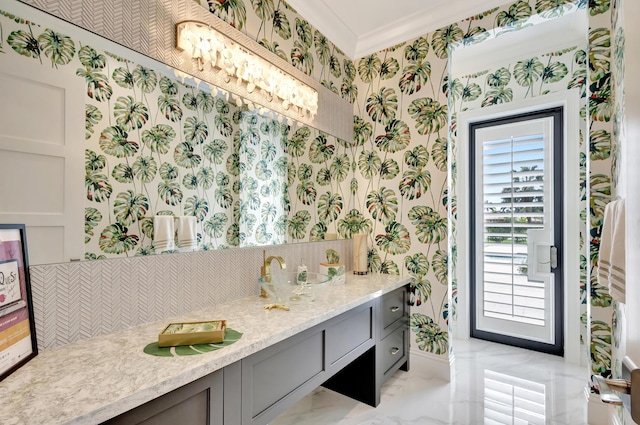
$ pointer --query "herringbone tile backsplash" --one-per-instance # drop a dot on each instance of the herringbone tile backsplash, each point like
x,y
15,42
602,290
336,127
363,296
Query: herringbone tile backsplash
x,y
79,300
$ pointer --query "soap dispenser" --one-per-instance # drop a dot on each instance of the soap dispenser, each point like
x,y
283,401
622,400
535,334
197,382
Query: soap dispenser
x,y
301,276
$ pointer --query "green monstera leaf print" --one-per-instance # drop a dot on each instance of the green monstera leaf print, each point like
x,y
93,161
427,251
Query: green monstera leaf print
x,y
600,347
305,172
396,138
382,204
417,50
145,168
129,207
417,157
553,8
123,173
302,57
339,168
115,239
92,116
444,38
417,264
98,187
145,78
297,143
323,178
170,192
231,11
59,48
196,206
516,14
158,138
362,130
500,78
98,87
281,25
195,131
600,101
383,105
599,145
599,293
113,141
298,225
130,114
168,87
353,223
185,157
498,95
334,67
389,169
439,153
389,68
429,114
395,240
92,217
91,59
306,192
369,68
169,171
389,267
415,181
430,226
123,77
323,48
321,150
429,336
439,262
600,196
329,206
527,72
170,107
369,164
24,43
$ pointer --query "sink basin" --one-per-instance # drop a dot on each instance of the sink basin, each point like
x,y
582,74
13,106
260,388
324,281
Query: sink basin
x,y
283,287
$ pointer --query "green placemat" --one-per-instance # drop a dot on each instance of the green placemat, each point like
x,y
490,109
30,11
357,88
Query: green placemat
x,y
230,337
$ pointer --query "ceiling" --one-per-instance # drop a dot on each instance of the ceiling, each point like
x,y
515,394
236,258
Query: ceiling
x,y
362,27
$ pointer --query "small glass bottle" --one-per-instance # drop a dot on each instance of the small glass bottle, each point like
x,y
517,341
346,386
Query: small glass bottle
x,y
301,276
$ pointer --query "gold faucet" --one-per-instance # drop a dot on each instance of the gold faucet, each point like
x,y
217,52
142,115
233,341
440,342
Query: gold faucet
x,y
265,270
266,266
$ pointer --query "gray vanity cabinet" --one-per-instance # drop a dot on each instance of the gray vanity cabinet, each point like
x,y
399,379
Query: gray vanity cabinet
x,y
197,403
277,377
353,353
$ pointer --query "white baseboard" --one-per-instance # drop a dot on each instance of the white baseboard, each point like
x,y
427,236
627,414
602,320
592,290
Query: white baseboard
x,y
438,366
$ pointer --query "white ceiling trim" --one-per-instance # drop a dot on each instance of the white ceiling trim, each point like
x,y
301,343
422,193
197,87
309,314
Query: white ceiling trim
x,y
328,23
337,29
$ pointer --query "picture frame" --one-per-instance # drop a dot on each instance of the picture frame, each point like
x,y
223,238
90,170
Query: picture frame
x,y
18,342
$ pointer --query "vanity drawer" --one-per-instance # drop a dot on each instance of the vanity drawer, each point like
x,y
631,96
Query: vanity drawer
x,y
394,309
349,332
392,351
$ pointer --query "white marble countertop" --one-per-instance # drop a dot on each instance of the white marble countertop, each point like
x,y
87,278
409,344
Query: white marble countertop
x,y
94,380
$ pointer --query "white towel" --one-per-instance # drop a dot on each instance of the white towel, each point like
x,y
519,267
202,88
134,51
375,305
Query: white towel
x,y
617,280
163,233
187,234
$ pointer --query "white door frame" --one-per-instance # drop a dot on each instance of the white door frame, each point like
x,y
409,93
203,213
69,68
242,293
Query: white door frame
x,y
570,101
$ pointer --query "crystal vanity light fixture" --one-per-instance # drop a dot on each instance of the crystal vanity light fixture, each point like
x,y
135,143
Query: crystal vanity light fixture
x,y
231,60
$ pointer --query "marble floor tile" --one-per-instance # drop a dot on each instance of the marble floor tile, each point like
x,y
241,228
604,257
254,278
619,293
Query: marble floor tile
x,y
491,384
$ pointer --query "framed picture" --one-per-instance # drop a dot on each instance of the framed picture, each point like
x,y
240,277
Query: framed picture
x,y
17,328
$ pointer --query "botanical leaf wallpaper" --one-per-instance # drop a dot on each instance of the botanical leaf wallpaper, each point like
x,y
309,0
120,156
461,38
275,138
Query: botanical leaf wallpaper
x,y
275,25
158,145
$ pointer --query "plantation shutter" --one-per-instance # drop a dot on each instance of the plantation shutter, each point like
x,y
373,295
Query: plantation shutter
x,y
513,205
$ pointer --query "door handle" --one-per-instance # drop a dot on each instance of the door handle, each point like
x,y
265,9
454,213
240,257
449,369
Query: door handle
x,y
394,309
553,258
621,386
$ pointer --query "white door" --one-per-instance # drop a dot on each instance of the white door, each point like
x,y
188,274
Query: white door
x,y
42,157
516,206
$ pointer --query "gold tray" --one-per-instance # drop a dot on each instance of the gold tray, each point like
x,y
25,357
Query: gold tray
x,y
191,333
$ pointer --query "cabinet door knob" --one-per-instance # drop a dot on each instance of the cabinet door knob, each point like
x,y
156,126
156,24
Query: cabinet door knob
x,y
394,351
394,309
